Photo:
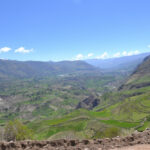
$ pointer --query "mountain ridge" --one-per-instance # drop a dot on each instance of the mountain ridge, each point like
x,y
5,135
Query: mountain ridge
x,y
26,69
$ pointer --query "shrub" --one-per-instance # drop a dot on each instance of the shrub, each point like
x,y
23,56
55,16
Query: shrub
x,y
15,131
111,132
148,118
108,133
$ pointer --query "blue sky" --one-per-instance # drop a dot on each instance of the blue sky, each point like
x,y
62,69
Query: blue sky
x,y
73,29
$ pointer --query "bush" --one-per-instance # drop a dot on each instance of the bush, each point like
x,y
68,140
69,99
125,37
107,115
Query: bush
x,y
148,118
111,132
108,133
16,131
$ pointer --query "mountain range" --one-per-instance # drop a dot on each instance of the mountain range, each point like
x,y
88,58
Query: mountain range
x,y
119,64
28,69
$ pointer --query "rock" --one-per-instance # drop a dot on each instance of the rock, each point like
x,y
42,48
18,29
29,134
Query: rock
x,y
88,103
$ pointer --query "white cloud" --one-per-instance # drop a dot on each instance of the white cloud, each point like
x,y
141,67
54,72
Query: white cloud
x,y
90,55
148,46
79,57
4,49
130,53
136,52
23,50
125,53
103,56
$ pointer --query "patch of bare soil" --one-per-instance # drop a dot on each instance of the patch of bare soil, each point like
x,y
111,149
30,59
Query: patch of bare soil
x,y
137,141
136,147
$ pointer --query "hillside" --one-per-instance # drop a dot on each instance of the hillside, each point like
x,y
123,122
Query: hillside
x,y
30,69
140,77
134,98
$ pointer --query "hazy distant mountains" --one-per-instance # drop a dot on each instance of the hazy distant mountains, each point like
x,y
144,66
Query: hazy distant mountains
x,y
127,63
28,69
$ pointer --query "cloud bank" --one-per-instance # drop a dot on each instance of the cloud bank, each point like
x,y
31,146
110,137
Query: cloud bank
x,y
81,56
106,55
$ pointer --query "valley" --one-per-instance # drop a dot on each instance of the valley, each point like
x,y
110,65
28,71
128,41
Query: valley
x,y
75,100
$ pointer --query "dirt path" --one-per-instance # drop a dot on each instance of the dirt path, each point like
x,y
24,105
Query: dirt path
x,y
137,141
136,147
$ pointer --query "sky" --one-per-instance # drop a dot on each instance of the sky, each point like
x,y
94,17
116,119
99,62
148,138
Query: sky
x,y
73,29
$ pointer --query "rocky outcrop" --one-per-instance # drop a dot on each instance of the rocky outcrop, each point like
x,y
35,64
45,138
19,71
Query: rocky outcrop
x,y
99,144
88,103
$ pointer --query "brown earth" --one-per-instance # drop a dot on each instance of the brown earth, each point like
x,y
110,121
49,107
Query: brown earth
x,y
137,141
136,147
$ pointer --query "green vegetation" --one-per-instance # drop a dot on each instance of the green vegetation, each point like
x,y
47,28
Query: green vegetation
x,y
109,132
52,96
80,122
15,130
120,124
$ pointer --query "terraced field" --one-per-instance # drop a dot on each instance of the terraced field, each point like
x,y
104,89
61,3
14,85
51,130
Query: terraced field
x,y
81,124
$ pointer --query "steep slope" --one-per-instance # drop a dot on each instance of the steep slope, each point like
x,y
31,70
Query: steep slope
x,y
140,77
133,98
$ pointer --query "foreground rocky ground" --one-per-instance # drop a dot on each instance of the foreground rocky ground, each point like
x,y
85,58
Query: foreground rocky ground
x,y
136,147
137,141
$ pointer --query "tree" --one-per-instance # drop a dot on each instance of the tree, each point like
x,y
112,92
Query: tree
x,y
16,130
